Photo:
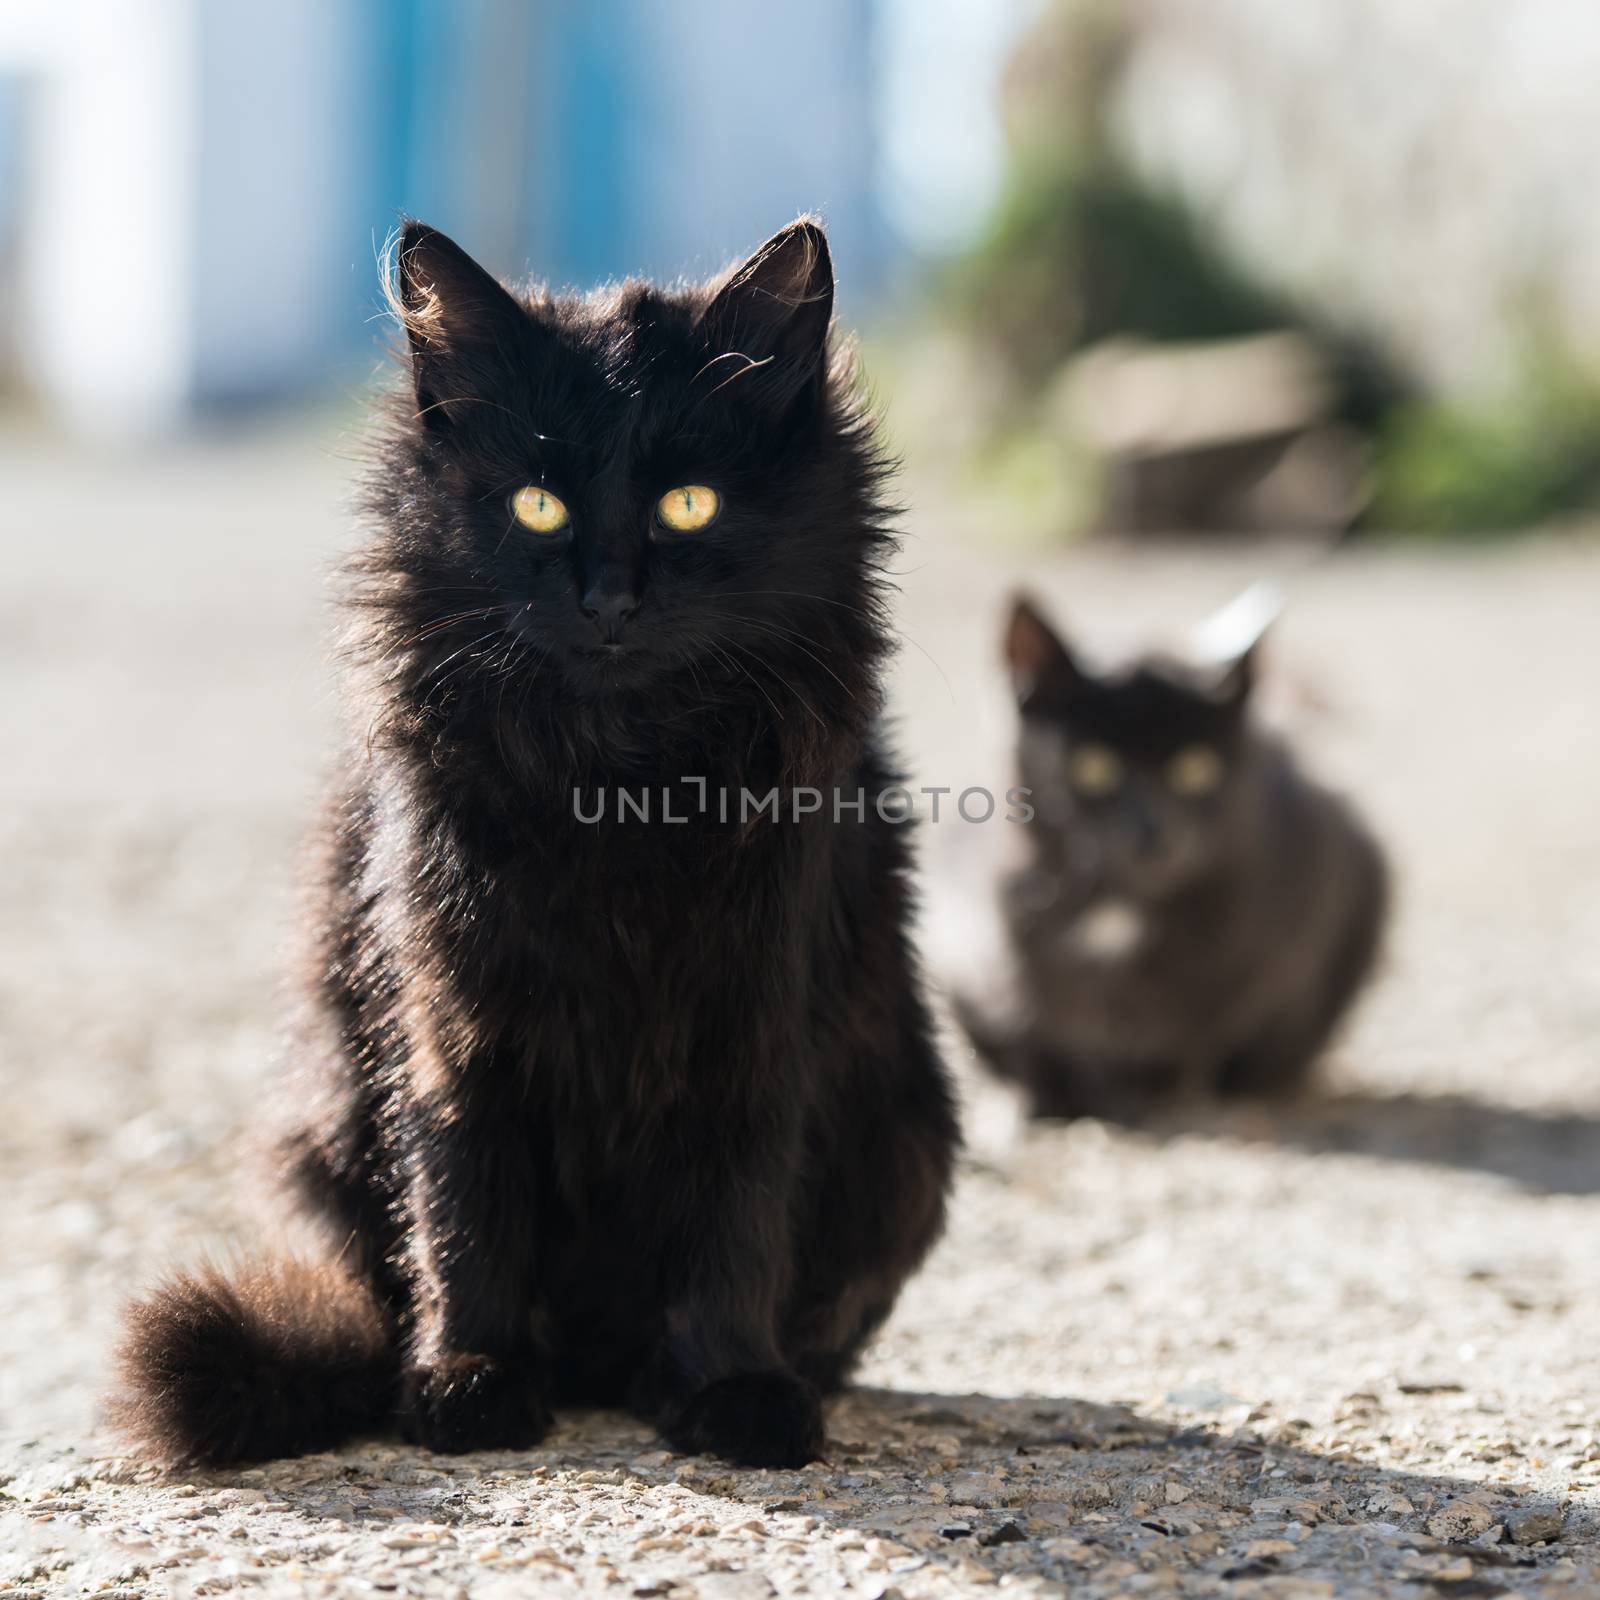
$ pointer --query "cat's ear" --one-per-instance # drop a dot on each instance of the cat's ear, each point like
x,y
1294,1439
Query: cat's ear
x,y
1044,672
460,323
1236,678
770,319
1227,645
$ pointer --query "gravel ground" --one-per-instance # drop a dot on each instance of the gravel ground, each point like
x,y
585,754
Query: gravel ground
x,y
1344,1349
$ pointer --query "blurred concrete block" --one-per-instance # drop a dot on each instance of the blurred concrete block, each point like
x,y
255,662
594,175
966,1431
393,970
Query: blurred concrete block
x,y
1229,435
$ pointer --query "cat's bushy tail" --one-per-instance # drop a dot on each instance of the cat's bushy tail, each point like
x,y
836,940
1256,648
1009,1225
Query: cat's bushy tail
x,y
273,1358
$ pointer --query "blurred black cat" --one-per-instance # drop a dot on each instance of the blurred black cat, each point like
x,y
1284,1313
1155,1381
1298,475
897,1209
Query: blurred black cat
x,y
1192,916
596,1112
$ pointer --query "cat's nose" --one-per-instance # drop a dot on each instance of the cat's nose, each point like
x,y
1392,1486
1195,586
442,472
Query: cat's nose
x,y
609,610
1144,832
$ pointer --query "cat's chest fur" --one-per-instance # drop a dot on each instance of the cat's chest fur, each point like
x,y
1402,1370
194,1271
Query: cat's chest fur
x,y
1116,976
651,901
606,948
1108,932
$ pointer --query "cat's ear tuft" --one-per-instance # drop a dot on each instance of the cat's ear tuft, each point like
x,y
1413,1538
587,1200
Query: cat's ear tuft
x,y
459,322
776,307
1237,677
1043,669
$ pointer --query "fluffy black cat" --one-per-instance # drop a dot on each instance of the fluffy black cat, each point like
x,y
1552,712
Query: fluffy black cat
x,y
1192,914
613,1112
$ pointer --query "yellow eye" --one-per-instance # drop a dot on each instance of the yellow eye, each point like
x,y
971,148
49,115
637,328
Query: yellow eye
x,y
689,509
538,509
1095,770
1196,769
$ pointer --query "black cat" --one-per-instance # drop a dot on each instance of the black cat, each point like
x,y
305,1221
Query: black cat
x,y
612,1112
1192,913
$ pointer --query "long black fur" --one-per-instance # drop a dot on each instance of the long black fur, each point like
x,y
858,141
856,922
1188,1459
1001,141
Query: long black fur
x,y
615,1112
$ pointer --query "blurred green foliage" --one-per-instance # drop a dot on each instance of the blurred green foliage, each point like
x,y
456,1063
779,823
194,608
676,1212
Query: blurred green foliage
x,y
1078,253
1526,457
1075,254
1082,248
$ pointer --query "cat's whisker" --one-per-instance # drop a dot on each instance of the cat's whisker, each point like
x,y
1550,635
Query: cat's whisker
x,y
505,533
796,640
432,674
866,616
773,627
803,594
743,372
462,400
739,667
503,673
476,591
442,625
744,649
727,355
528,684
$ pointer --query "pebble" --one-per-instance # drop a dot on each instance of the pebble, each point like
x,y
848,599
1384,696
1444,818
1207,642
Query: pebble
x,y
979,1489
1535,1524
1389,1504
1006,1532
1461,1521
970,1571
1204,1397
1293,1507
732,1586
1268,1549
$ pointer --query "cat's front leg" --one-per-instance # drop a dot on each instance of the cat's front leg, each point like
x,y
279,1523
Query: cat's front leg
x,y
718,1383
472,1381
769,1417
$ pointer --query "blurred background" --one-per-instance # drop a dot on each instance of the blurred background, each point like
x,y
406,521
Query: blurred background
x,y
1198,261
1161,297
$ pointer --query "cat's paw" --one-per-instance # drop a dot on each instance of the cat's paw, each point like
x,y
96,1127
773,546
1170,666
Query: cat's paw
x,y
468,1402
757,1419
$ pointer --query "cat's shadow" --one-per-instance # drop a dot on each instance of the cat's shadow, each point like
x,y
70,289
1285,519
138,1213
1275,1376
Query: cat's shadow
x,y
1542,1153
1055,1487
